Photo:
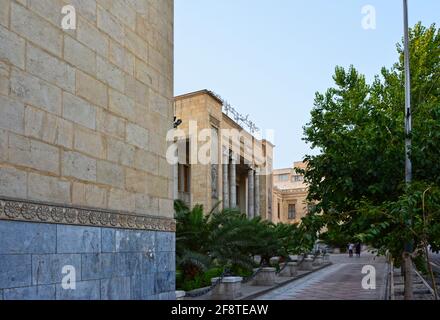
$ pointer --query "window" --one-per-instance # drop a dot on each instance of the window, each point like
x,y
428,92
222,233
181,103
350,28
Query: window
x,y
279,211
297,178
184,169
283,178
184,178
292,212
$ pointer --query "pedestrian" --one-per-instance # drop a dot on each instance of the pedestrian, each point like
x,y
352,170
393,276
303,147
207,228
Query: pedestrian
x,y
358,249
350,250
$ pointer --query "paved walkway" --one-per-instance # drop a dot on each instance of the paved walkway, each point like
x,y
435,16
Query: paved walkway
x,y
341,281
435,258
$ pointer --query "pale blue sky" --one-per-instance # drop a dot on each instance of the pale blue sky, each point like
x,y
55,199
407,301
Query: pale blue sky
x,y
268,58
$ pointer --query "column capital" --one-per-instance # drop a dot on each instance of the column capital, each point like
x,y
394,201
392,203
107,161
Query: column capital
x,y
234,157
225,151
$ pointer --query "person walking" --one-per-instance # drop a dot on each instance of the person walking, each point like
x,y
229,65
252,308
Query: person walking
x,y
358,249
350,250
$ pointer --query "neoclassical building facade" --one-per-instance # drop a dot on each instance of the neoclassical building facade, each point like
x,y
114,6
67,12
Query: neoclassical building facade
x,y
86,191
289,195
238,173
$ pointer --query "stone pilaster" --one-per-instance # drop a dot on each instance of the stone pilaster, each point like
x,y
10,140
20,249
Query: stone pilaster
x,y
225,178
257,194
251,194
233,181
176,181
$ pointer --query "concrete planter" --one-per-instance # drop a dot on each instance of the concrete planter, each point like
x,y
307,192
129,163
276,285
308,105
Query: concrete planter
x,y
290,271
180,295
318,261
293,268
307,264
275,260
266,277
285,272
294,258
228,289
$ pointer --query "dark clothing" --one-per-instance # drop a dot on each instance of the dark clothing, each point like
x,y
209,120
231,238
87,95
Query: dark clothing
x,y
358,249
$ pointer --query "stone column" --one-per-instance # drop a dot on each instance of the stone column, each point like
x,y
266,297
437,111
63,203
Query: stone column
x,y
182,180
251,193
225,178
176,181
257,193
233,181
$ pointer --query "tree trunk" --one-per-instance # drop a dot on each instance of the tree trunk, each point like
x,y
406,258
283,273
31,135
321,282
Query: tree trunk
x,y
408,276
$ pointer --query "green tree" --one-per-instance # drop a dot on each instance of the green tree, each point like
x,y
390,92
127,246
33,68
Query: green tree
x,y
357,179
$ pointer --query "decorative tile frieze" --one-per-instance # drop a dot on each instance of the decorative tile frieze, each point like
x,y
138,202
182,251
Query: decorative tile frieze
x,y
32,211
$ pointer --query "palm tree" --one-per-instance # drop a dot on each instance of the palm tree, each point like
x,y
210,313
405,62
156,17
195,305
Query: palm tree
x,y
228,239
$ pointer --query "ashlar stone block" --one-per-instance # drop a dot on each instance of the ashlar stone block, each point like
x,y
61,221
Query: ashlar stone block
x,y
91,89
12,49
46,188
34,154
49,68
79,166
35,29
16,271
77,239
13,182
36,92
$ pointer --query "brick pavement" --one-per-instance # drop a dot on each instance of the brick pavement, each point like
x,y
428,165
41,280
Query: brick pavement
x,y
341,281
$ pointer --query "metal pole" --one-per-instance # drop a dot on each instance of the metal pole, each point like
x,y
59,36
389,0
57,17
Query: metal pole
x,y
408,165
408,121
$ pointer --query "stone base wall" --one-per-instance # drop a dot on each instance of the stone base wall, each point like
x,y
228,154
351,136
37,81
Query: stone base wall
x,y
109,263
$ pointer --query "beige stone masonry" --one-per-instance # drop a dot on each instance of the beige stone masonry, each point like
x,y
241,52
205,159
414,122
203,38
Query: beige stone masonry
x,y
84,113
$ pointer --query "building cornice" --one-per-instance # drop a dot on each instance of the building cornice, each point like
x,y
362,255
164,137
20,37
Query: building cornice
x,y
198,93
40,212
291,191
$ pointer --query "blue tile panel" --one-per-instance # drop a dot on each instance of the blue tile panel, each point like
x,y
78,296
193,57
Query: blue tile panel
x,y
107,264
27,238
31,293
15,270
75,239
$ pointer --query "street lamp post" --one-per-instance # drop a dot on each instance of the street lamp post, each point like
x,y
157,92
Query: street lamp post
x,y
408,165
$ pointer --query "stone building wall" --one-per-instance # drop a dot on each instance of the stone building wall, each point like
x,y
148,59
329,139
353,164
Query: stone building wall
x,y
266,183
205,110
200,110
83,119
289,192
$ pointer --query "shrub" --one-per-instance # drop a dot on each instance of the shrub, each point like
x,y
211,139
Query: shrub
x,y
206,245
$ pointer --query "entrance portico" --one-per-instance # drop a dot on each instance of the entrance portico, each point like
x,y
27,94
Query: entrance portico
x,y
242,175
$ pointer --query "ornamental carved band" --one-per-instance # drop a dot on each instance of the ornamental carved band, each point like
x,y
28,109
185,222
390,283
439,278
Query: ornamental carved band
x,y
19,210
